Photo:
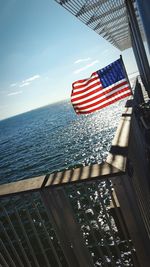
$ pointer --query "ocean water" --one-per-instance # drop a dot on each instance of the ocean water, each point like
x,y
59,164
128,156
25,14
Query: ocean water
x,y
50,139
54,138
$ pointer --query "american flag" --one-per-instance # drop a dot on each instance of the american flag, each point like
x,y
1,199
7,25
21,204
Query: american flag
x,y
103,88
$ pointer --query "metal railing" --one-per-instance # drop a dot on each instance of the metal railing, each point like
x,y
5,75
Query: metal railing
x,y
32,235
96,215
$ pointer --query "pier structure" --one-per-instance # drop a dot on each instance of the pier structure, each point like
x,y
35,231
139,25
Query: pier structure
x,y
97,215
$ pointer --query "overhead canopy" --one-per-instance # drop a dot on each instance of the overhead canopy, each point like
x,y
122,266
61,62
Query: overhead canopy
x,y
108,18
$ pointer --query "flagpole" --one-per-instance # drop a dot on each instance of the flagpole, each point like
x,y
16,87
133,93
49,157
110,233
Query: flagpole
x,y
125,72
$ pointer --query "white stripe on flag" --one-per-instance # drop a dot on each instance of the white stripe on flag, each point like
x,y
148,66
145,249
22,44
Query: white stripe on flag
x,y
99,98
106,101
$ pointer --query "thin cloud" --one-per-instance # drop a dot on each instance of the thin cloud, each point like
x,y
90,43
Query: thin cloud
x,y
24,84
32,78
29,80
86,67
15,93
82,60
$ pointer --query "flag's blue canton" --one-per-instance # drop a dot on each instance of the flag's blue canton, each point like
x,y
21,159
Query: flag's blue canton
x,y
111,74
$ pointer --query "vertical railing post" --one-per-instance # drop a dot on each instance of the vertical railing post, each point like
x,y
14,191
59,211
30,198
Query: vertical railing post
x,y
67,230
132,216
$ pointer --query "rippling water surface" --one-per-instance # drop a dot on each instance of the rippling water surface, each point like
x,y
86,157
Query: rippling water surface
x,y
53,138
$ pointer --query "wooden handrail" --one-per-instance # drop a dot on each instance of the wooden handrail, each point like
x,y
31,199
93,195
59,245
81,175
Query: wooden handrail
x,y
114,165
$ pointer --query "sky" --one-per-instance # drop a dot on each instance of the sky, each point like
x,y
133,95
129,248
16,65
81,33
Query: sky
x,y
43,50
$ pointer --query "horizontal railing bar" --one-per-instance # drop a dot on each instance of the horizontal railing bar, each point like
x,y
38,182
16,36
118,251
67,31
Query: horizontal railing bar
x,y
115,165
89,173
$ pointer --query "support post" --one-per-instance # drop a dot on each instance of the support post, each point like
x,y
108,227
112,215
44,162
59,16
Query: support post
x,y
126,75
136,35
136,53
67,230
144,9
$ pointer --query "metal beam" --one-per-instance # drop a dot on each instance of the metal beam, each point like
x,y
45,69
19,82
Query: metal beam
x,y
105,24
86,8
117,32
62,2
104,14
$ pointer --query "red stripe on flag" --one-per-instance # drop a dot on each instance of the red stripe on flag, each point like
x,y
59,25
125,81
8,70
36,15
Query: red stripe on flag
x,y
100,101
104,105
100,90
74,92
86,95
78,85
